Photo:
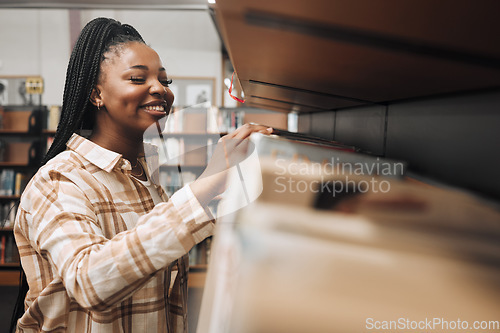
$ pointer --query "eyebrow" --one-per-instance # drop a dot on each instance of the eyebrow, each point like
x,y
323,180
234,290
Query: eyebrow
x,y
162,69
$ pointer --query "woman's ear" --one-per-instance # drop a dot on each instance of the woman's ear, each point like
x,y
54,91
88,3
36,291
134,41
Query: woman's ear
x,y
95,97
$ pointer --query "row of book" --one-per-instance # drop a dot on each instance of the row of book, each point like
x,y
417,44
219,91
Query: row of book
x,y
8,249
7,214
227,120
186,150
173,179
12,182
203,119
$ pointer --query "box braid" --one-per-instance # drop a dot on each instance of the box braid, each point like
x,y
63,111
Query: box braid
x,y
97,38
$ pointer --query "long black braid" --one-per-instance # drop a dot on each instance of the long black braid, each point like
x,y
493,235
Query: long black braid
x,y
97,38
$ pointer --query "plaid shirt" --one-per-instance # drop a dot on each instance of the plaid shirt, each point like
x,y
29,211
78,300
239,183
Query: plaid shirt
x,y
98,255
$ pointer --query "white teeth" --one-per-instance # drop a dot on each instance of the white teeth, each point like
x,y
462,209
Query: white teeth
x,y
160,108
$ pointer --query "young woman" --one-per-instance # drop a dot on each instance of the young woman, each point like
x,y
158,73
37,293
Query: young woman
x,y
102,247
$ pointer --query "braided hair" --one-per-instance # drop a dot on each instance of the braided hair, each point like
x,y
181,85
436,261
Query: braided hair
x,y
97,38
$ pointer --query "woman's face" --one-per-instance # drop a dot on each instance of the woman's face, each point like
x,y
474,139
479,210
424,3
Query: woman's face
x,y
132,89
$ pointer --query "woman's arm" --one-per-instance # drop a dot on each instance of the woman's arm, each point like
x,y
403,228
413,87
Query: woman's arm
x,y
230,150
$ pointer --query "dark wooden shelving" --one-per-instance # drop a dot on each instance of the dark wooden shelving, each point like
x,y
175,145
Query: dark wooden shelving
x,y
11,265
325,55
23,141
14,165
9,197
4,132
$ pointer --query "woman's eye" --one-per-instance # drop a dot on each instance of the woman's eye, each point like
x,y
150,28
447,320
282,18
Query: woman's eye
x,y
166,82
136,79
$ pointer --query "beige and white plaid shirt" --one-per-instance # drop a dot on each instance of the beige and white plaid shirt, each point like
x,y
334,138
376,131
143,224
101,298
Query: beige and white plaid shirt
x,y
98,255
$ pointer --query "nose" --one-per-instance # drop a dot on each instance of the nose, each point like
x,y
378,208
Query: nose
x,y
157,88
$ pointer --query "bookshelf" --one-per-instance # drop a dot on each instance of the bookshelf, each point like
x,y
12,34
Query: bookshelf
x,y
22,142
407,80
263,244
9,257
410,81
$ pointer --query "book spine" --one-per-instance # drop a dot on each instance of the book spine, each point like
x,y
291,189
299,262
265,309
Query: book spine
x,y
10,185
9,248
3,176
12,213
2,251
18,184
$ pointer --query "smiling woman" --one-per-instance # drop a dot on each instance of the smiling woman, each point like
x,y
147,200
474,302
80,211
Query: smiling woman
x,y
102,246
131,94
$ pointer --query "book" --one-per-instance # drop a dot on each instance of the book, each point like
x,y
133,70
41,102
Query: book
x,y
2,249
53,117
7,214
20,183
7,182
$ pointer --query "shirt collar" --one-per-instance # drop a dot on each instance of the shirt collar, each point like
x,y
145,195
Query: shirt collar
x,y
107,160
101,157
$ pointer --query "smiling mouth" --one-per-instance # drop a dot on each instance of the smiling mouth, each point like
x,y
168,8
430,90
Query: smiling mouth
x,y
158,110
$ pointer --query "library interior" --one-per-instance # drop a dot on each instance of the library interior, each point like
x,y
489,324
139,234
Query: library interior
x,y
373,204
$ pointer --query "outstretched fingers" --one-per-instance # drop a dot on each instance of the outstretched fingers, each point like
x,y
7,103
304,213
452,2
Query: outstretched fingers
x,y
246,130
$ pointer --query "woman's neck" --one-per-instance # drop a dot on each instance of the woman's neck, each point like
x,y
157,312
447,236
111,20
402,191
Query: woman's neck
x,y
130,147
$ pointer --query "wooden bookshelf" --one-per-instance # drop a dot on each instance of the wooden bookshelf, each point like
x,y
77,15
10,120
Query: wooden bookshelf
x,y
23,144
11,265
9,277
15,132
13,165
48,132
198,268
9,197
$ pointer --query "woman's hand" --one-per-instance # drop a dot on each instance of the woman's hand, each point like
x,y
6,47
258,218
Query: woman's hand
x,y
230,150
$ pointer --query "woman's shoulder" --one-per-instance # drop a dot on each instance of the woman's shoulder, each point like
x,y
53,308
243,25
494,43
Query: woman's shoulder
x,y
66,161
65,166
